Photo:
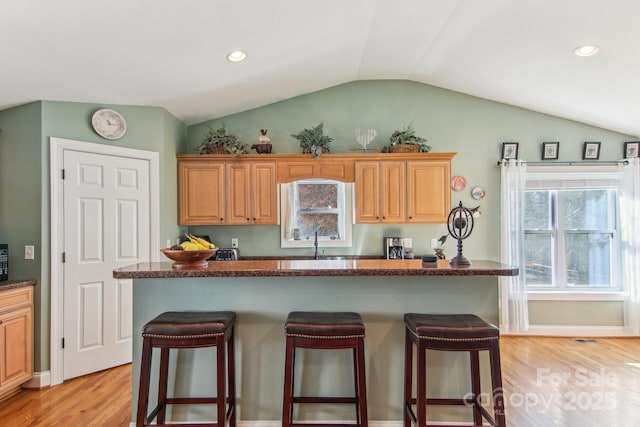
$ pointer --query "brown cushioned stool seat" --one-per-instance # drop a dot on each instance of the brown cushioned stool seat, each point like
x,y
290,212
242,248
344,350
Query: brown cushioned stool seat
x,y
325,330
189,329
451,332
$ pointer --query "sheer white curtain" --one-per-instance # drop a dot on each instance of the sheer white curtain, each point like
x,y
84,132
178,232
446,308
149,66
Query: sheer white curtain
x,y
630,243
514,316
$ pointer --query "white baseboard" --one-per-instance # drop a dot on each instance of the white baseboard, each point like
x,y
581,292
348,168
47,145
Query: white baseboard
x,y
39,380
575,331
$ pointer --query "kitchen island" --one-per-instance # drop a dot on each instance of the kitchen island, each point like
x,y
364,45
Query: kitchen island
x,y
263,292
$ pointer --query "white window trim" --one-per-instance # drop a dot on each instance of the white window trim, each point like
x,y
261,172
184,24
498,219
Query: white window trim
x,y
605,174
613,295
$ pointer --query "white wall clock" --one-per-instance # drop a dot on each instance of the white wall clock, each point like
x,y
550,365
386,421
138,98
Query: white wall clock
x,y
109,124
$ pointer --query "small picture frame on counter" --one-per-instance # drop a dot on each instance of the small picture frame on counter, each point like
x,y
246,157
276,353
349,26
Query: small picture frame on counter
x,y
509,150
550,150
631,149
591,151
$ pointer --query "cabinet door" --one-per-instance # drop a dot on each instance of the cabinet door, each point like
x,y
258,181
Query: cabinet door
x,y
367,185
239,194
265,208
201,193
392,191
16,350
428,193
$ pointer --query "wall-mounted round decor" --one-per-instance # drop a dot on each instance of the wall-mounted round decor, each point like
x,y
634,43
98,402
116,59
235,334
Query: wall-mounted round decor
x,y
458,183
477,193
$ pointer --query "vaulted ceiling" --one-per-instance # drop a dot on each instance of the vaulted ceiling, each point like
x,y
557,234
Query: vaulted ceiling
x,y
171,53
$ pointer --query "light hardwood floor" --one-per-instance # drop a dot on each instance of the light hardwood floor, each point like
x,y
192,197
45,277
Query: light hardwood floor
x,y
548,382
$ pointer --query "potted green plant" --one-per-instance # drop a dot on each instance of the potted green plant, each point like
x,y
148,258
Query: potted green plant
x,y
405,140
218,141
314,140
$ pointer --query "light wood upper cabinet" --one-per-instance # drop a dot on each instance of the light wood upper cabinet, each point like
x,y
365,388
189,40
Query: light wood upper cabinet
x,y
380,191
251,198
428,191
389,187
397,191
16,339
201,192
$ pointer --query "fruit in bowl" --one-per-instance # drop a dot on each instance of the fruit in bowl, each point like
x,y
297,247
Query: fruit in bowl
x,y
192,253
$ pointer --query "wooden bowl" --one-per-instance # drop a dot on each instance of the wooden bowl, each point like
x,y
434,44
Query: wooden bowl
x,y
189,259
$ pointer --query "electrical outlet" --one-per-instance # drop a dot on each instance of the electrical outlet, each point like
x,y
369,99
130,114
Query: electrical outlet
x,y
29,251
168,243
434,243
234,242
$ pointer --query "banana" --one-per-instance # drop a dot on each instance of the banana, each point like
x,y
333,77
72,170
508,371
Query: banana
x,y
201,243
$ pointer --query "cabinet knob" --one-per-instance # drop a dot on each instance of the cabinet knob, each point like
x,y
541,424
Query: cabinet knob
x,y
248,219
221,219
0,322
254,219
384,217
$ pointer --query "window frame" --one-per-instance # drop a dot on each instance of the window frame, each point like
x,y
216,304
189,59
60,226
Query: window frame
x,y
345,215
601,178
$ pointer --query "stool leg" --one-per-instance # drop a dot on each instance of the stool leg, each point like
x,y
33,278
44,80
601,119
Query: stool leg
x,y
408,376
475,387
289,365
421,383
143,390
221,381
231,372
162,384
496,383
361,385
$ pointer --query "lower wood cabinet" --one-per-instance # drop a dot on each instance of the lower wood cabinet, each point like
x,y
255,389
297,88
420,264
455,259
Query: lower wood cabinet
x,y
16,339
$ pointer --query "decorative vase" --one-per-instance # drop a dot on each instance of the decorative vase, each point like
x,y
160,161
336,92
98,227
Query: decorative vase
x,y
262,148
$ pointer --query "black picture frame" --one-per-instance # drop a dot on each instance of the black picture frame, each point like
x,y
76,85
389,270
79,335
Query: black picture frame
x,y
631,149
550,150
509,150
591,151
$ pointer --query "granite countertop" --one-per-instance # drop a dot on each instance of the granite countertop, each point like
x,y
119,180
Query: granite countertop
x,y
14,284
342,267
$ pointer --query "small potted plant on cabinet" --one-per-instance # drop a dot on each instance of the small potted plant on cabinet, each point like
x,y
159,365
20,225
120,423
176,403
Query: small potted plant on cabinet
x,y
314,140
406,141
218,141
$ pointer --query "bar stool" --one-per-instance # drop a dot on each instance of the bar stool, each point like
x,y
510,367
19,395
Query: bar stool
x,y
189,329
451,332
324,330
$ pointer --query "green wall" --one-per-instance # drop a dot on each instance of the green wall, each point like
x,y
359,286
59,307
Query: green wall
x,y
451,121
24,185
472,127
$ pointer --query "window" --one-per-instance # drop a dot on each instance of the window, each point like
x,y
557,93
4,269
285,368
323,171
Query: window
x,y
316,206
571,232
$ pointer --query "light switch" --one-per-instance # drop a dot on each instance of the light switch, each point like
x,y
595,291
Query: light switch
x,y
29,251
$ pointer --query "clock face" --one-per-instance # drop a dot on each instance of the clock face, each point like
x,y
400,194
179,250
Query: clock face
x,y
109,124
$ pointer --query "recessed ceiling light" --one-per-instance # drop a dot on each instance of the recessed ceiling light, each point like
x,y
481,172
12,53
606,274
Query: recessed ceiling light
x,y
237,56
586,50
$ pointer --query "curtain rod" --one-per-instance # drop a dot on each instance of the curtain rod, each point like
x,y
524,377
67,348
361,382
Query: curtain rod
x,y
575,162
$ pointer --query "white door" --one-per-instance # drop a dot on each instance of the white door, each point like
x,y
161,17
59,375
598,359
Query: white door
x,y
106,226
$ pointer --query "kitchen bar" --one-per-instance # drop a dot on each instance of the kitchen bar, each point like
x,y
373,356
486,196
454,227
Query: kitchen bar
x,y
262,292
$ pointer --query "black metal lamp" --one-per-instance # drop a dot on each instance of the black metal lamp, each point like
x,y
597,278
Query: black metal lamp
x,y
460,226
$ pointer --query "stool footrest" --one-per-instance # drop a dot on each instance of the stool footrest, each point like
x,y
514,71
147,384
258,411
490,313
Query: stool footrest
x,y
310,424
323,399
191,400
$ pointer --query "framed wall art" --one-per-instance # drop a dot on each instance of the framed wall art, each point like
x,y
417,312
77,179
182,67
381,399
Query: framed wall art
x,y
550,150
591,151
631,149
509,150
